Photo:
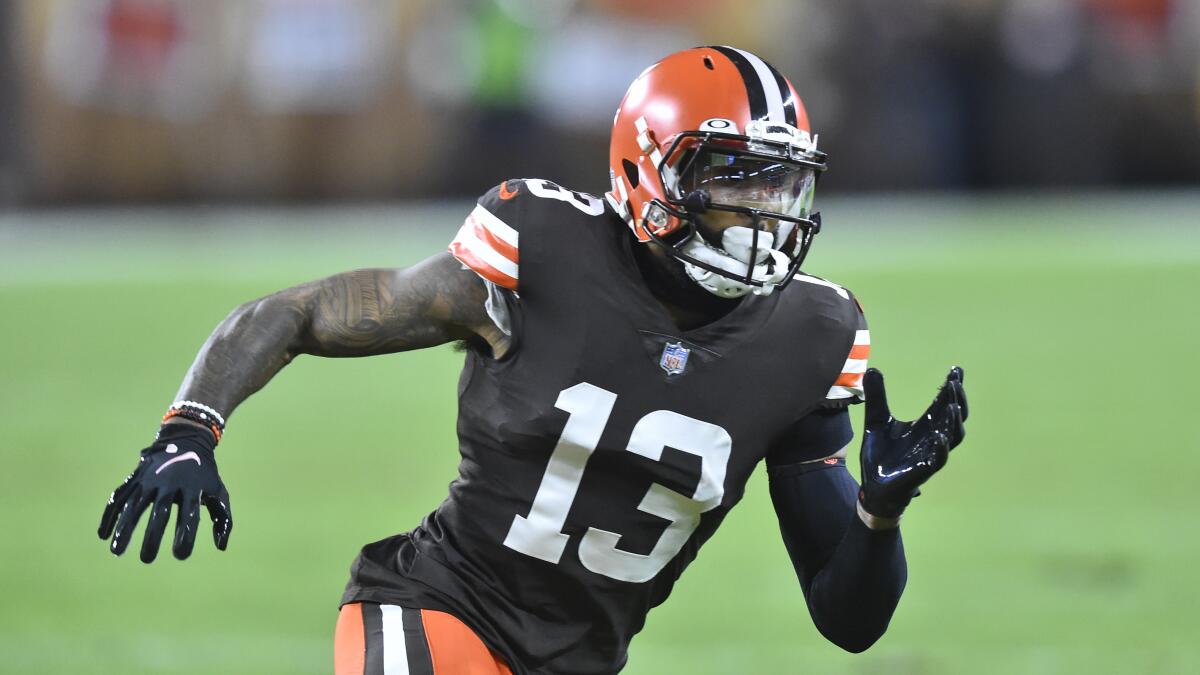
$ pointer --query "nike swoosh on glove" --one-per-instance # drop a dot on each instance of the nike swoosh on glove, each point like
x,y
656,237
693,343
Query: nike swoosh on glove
x,y
178,469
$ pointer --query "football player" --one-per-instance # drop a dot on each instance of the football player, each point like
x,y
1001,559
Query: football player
x,y
631,360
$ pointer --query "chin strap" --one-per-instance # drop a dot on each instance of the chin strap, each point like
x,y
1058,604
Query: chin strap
x,y
770,269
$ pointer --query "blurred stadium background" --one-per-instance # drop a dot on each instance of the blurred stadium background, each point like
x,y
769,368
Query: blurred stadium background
x,y
1014,186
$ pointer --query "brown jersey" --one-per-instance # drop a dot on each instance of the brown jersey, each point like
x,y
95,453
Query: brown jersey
x,y
606,447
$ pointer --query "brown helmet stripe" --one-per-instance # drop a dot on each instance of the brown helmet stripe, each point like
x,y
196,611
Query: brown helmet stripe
x,y
754,87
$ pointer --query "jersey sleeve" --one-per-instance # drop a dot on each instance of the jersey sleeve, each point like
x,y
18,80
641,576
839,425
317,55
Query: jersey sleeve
x,y
488,240
815,436
847,388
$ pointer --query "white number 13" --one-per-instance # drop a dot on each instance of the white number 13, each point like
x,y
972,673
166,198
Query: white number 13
x,y
540,533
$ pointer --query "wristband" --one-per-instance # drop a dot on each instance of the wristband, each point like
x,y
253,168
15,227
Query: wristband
x,y
211,412
197,412
874,522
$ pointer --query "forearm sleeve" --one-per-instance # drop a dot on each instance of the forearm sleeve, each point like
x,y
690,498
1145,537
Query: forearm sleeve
x,y
852,576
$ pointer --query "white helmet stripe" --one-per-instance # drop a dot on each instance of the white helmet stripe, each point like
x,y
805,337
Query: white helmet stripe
x,y
770,87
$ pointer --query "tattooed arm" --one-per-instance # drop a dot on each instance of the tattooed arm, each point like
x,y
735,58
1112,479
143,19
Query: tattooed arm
x,y
352,314
359,313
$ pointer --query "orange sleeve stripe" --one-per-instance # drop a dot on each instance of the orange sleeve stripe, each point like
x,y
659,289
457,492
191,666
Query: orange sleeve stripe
x,y
349,644
496,243
859,352
466,257
849,380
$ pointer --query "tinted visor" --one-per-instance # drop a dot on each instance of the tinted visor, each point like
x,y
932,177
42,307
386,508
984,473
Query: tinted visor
x,y
753,182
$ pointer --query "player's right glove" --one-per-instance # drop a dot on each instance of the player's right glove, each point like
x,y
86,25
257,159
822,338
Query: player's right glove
x,y
897,457
178,468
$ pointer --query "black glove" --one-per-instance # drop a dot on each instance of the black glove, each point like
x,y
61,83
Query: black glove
x,y
178,468
897,456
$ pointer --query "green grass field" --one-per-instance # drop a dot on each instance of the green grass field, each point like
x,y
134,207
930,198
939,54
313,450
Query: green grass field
x,y
1062,537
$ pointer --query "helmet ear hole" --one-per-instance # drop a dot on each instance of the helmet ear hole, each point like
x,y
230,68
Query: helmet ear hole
x,y
708,62
631,172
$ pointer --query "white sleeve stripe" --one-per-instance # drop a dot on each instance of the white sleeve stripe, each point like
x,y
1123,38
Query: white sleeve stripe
x,y
489,255
495,225
844,392
862,337
855,366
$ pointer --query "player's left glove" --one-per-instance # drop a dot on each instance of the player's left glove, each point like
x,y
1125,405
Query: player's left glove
x,y
178,468
897,457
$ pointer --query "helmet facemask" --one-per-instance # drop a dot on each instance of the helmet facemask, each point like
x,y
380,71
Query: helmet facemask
x,y
745,205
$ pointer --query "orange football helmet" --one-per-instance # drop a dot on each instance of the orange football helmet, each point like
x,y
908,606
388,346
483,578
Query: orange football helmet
x,y
708,132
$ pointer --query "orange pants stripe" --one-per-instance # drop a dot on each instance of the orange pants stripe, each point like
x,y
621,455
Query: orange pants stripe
x,y
349,645
373,639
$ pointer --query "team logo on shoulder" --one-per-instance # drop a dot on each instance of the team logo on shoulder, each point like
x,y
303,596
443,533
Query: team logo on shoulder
x,y
674,358
506,193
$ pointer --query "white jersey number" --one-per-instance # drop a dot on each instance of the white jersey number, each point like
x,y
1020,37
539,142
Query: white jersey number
x,y
540,533
547,190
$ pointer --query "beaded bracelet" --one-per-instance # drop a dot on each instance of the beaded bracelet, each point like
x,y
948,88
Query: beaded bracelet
x,y
197,412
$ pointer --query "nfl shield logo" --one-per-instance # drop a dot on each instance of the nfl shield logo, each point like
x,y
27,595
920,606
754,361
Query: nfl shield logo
x,y
674,358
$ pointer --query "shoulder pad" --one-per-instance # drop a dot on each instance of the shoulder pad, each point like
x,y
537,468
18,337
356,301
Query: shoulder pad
x,y
488,241
535,192
547,190
847,388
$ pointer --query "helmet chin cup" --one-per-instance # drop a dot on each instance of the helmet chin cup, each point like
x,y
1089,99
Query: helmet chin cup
x,y
713,268
740,243
768,274
720,286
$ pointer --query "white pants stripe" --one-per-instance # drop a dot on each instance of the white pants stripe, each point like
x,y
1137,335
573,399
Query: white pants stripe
x,y
395,653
